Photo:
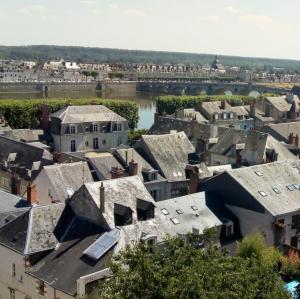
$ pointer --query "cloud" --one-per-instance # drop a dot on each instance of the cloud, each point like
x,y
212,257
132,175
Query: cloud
x,y
114,6
88,2
232,10
34,10
256,18
134,13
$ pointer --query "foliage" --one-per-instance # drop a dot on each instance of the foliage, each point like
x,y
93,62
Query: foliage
x,y
135,135
170,104
175,270
26,113
100,55
291,265
254,246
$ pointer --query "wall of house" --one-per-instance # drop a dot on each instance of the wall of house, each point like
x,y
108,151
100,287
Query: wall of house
x,y
251,221
216,159
162,188
5,182
22,283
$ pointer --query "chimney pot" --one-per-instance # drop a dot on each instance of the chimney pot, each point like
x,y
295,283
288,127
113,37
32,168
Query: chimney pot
x,y
102,198
133,168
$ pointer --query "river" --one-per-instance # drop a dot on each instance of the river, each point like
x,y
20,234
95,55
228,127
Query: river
x,y
145,101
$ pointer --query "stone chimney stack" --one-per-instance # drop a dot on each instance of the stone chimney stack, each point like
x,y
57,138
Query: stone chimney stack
x,y
45,117
102,198
201,149
291,136
252,109
117,172
192,173
31,194
133,168
297,140
15,184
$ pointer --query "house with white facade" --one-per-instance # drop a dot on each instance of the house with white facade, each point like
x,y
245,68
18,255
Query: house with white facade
x,y
87,128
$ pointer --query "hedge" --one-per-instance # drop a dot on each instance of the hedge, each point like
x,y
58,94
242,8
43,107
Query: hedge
x,y
170,104
27,113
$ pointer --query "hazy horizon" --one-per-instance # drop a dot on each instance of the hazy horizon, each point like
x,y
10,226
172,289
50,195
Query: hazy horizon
x,y
258,29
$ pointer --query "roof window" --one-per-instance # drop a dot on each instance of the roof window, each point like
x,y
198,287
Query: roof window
x,y
262,193
276,190
179,212
258,173
175,220
291,187
194,208
165,212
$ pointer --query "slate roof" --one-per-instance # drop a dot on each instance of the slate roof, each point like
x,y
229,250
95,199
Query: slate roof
x,y
25,135
189,114
169,152
86,113
67,175
283,129
279,103
23,154
33,231
181,208
11,206
239,110
212,107
259,114
274,175
102,163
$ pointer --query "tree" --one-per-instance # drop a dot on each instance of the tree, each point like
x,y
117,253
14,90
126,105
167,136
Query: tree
x,y
86,74
179,270
94,74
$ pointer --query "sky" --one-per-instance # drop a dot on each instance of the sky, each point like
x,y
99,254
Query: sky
x,y
256,28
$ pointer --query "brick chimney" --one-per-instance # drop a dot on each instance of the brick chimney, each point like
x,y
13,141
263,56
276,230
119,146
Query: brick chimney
x,y
133,168
31,194
192,173
290,138
57,157
116,172
45,116
15,184
102,198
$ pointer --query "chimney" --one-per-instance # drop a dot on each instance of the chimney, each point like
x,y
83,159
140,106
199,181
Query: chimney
x,y
31,194
297,140
201,149
57,157
102,198
192,173
133,168
117,172
45,117
223,105
252,109
290,141
15,184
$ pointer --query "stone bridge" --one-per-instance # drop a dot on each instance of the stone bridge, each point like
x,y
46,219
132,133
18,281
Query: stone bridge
x,y
216,88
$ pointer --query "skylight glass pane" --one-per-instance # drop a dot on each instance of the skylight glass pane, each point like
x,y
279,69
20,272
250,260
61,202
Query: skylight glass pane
x,y
194,208
164,211
262,193
258,173
296,186
175,220
179,212
291,187
276,190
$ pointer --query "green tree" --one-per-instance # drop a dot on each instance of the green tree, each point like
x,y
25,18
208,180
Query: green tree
x,y
179,270
86,74
94,74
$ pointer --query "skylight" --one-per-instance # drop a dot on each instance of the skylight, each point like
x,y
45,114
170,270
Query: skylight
x,y
175,220
296,186
291,187
262,193
276,190
258,173
179,212
194,208
165,212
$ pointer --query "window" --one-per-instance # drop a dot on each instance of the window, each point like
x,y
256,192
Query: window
x,y
13,270
276,190
179,211
165,212
229,230
291,187
154,194
12,293
262,193
194,208
87,129
41,288
103,141
295,221
72,130
175,220
231,115
117,127
73,146
95,128
95,143
258,173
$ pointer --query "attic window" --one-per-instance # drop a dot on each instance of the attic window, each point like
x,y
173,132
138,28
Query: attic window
x,y
194,208
179,212
291,187
164,211
262,193
276,190
175,220
258,173
296,186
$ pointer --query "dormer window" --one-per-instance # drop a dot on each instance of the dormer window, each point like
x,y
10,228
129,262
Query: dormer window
x,y
216,116
145,209
95,127
72,129
117,127
122,215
